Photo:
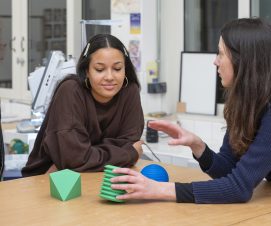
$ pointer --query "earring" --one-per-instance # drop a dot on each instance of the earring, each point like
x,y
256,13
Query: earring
x,y
87,83
127,82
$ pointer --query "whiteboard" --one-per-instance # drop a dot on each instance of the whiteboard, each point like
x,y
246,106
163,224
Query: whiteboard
x,y
198,82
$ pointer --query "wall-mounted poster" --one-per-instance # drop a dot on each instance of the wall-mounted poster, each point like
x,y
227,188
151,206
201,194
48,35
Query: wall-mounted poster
x,y
137,63
134,51
135,23
124,6
198,82
134,48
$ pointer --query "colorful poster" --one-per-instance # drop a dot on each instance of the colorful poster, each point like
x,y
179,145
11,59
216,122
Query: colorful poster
x,y
124,6
134,48
152,72
137,63
134,51
135,23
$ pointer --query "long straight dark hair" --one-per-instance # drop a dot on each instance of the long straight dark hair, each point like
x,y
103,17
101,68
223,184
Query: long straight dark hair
x,y
248,43
105,41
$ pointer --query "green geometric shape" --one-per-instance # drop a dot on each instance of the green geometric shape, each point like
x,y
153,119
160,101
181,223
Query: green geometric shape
x,y
65,184
109,172
110,167
110,193
108,197
106,192
107,180
109,176
53,190
115,191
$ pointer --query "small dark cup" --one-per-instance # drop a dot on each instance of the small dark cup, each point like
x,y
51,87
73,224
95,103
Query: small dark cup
x,y
151,135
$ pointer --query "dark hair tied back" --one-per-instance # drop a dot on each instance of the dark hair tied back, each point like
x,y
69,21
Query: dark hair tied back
x,y
105,41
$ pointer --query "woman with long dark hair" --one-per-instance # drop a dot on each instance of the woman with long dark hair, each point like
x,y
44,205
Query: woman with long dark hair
x,y
95,118
244,159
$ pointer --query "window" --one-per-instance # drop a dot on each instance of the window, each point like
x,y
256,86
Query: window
x,y
96,10
5,44
202,22
29,29
261,8
46,30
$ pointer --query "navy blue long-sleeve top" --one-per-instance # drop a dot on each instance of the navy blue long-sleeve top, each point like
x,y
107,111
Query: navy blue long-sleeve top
x,y
234,179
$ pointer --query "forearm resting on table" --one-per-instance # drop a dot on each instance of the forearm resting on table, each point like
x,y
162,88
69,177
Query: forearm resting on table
x,y
166,191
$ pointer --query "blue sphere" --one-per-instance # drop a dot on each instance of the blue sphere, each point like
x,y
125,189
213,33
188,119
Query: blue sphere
x,y
155,172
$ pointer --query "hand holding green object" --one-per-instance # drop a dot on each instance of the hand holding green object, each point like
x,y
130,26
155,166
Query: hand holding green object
x,y
106,191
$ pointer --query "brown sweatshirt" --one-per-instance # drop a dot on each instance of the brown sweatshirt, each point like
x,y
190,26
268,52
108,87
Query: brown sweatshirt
x,y
81,134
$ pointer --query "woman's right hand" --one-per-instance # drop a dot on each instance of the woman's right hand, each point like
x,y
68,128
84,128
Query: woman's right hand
x,y
180,136
138,186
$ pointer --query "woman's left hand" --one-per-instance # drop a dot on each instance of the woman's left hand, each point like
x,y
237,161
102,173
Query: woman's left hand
x,y
140,187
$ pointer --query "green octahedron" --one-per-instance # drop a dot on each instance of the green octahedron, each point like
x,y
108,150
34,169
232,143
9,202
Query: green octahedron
x,y
65,184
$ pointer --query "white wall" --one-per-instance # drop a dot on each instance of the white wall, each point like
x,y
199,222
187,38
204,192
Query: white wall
x,y
148,47
171,47
243,8
74,15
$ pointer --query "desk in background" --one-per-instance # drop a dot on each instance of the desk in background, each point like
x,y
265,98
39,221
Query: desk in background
x,y
210,128
27,201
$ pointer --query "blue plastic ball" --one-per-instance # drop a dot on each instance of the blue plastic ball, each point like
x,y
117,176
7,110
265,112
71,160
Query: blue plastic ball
x,y
155,172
